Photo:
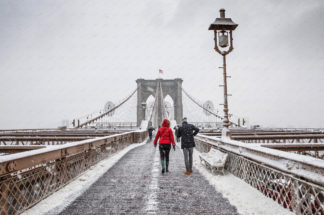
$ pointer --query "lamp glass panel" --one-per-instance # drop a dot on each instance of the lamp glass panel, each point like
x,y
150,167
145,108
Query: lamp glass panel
x,y
223,39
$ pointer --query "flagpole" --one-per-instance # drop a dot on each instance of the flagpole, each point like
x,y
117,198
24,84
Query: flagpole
x,y
160,73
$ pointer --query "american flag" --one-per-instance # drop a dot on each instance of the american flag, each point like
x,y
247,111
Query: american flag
x,y
160,71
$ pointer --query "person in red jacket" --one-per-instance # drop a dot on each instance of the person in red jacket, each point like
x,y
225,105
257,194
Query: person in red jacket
x,y
166,138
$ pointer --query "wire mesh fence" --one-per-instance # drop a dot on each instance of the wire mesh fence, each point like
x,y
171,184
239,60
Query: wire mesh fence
x,y
290,191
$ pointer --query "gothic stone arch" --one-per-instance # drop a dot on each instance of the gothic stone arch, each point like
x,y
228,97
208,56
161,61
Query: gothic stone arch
x,y
169,87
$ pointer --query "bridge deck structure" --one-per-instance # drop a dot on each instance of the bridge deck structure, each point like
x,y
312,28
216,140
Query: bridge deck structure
x,y
136,186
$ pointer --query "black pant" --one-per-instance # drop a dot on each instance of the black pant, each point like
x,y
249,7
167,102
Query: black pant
x,y
164,152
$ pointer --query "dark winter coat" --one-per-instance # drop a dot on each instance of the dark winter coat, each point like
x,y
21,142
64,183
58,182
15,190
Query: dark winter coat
x,y
164,134
150,130
176,130
187,133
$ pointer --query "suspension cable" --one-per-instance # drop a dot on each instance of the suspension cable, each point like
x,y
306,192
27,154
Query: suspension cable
x,y
201,106
154,105
164,115
107,112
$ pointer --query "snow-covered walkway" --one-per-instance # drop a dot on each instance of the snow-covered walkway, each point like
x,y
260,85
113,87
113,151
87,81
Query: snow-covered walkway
x,y
134,185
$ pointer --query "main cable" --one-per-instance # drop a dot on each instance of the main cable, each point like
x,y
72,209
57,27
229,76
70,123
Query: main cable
x,y
108,111
201,106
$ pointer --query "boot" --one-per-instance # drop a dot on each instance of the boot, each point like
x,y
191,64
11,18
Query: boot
x,y
167,166
163,166
190,170
187,172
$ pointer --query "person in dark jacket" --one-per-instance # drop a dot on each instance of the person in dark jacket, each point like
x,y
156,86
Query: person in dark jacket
x,y
166,138
150,131
187,133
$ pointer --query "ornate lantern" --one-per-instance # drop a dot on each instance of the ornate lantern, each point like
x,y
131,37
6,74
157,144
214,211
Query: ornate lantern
x,y
223,27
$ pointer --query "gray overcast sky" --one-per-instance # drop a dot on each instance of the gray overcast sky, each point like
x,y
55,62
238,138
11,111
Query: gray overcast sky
x,y
63,59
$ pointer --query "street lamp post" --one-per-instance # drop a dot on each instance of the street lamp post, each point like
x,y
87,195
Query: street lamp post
x,y
223,28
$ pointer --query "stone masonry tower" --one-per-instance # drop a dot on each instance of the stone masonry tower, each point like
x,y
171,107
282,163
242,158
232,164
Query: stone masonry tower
x,y
169,87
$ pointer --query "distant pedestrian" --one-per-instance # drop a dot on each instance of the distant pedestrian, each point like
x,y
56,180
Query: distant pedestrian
x,y
150,131
176,128
166,138
187,133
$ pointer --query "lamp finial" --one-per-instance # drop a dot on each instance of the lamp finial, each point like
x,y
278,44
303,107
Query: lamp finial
x,y
222,13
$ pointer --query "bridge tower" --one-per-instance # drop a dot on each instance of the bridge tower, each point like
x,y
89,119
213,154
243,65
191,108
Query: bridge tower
x,y
171,87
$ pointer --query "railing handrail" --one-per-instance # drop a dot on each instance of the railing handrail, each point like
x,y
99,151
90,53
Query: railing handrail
x,y
309,168
14,162
286,136
295,146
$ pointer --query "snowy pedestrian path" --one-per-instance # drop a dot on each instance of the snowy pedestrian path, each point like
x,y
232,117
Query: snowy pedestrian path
x,y
135,185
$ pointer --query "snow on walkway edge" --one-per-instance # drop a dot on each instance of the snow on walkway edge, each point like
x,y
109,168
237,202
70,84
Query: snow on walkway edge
x,y
245,198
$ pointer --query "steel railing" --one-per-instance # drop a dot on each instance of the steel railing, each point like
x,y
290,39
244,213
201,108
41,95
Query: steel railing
x,y
28,177
294,181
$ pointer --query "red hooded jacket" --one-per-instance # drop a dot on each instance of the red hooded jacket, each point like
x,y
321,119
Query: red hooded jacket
x,y
165,134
